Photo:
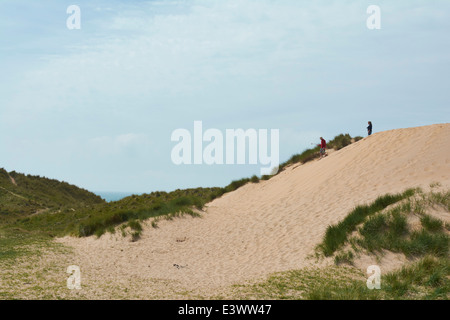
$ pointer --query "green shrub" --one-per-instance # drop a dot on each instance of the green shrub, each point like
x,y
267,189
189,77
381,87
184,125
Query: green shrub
x,y
344,257
340,141
234,185
135,225
254,179
423,243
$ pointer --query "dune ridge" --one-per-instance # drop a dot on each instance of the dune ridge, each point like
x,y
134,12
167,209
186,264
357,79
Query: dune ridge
x,y
272,225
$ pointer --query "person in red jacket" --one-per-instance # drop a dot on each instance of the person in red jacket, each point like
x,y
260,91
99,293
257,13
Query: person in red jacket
x,y
323,146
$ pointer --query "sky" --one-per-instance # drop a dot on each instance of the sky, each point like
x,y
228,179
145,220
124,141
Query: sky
x,y
96,106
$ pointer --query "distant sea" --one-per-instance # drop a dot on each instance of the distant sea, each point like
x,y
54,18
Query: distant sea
x,y
113,196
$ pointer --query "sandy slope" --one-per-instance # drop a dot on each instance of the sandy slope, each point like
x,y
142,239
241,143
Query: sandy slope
x,y
273,225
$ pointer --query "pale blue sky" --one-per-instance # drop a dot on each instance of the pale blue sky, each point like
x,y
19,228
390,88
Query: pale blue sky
x,y
96,107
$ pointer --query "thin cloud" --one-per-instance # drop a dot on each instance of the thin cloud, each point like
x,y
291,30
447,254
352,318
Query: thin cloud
x,y
116,145
137,70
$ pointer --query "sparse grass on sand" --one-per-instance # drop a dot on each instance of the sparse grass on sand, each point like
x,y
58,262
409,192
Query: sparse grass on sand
x,y
30,266
424,279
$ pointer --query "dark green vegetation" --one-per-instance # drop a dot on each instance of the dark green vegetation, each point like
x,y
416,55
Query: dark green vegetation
x,y
23,195
390,231
139,208
99,218
336,235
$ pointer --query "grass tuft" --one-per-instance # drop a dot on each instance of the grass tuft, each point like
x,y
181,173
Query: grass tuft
x,y
431,224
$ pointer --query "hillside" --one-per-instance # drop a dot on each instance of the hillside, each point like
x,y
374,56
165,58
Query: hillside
x,y
272,225
22,195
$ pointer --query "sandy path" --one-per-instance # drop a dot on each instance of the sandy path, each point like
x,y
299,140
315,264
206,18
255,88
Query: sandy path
x,y
273,225
14,194
13,181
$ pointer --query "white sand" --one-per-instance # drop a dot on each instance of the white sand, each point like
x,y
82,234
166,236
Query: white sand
x,y
273,225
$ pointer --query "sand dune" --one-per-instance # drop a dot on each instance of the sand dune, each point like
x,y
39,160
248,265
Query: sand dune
x,y
273,225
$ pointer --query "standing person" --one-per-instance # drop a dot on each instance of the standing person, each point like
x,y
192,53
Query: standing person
x,y
322,145
369,128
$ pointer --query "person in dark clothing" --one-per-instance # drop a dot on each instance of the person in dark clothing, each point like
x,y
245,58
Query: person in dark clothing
x,y
322,145
369,128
